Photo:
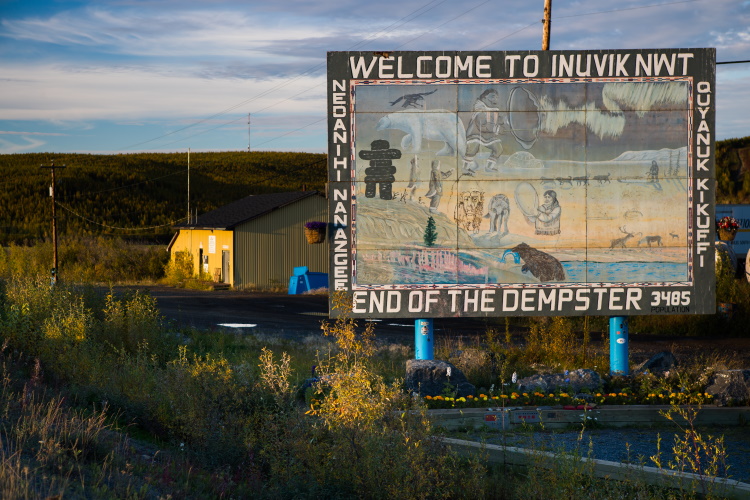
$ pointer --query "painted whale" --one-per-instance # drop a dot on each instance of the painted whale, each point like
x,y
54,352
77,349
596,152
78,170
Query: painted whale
x,y
440,125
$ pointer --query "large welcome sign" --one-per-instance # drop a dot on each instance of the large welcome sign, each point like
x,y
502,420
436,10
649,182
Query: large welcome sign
x,y
522,183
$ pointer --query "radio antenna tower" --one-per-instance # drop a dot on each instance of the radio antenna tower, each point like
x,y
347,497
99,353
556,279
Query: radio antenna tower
x,y
248,132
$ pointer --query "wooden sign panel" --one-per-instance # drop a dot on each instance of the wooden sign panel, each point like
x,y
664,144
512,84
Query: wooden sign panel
x,y
522,183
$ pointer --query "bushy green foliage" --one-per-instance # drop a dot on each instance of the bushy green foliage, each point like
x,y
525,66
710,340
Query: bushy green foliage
x,y
239,423
731,291
179,269
87,260
145,193
732,182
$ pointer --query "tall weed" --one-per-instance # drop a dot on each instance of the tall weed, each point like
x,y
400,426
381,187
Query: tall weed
x,y
366,443
86,259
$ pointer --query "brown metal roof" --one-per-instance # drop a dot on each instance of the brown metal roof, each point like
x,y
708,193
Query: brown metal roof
x,y
243,210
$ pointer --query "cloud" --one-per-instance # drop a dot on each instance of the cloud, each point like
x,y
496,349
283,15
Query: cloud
x,y
9,147
154,66
177,33
132,93
14,132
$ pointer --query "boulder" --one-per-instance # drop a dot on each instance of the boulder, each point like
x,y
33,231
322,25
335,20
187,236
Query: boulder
x,y
730,387
659,363
575,380
429,377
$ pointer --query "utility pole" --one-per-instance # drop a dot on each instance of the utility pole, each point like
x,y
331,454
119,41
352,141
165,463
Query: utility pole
x,y
248,132
53,271
188,186
546,24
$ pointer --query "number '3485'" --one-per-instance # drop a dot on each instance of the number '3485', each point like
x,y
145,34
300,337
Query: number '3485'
x,y
675,298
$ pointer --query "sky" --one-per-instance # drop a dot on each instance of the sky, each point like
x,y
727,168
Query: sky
x,y
125,76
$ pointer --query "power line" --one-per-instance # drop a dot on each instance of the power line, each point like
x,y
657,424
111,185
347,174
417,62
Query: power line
x,y
293,131
116,227
408,18
509,35
443,24
625,9
272,89
138,183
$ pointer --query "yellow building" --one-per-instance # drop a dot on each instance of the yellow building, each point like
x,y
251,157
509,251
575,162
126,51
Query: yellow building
x,y
255,242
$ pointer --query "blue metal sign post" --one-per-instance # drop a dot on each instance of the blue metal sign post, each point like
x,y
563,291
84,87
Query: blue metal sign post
x,y
618,345
423,339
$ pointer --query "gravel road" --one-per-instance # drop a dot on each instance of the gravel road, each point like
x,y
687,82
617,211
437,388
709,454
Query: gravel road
x,y
298,316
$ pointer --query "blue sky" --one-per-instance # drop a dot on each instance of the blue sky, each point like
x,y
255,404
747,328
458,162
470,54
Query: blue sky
x,y
122,76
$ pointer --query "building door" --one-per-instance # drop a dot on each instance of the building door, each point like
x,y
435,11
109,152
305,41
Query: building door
x,y
225,266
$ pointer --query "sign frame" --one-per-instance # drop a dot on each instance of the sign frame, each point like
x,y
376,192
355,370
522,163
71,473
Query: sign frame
x,y
351,75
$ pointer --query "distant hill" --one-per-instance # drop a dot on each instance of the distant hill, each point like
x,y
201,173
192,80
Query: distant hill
x,y
663,156
144,192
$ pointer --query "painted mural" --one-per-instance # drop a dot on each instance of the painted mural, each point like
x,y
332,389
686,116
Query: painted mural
x,y
525,182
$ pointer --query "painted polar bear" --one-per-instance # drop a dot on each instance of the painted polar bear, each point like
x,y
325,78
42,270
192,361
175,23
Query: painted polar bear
x,y
439,125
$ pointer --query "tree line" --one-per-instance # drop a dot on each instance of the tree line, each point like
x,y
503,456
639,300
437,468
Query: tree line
x,y
138,196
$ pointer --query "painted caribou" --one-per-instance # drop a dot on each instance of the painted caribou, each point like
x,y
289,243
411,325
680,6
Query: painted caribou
x,y
620,242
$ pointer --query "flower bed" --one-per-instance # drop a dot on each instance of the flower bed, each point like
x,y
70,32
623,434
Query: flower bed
x,y
563,398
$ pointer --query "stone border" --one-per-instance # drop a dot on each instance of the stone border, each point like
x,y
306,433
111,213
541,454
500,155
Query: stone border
x,y
556,417
601,468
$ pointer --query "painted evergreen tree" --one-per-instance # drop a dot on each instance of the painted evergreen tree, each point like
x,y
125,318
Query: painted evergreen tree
x,y
430,232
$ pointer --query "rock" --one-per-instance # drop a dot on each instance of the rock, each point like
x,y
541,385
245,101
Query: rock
x,y
659,363
730,387
576,380
523,159
429,377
